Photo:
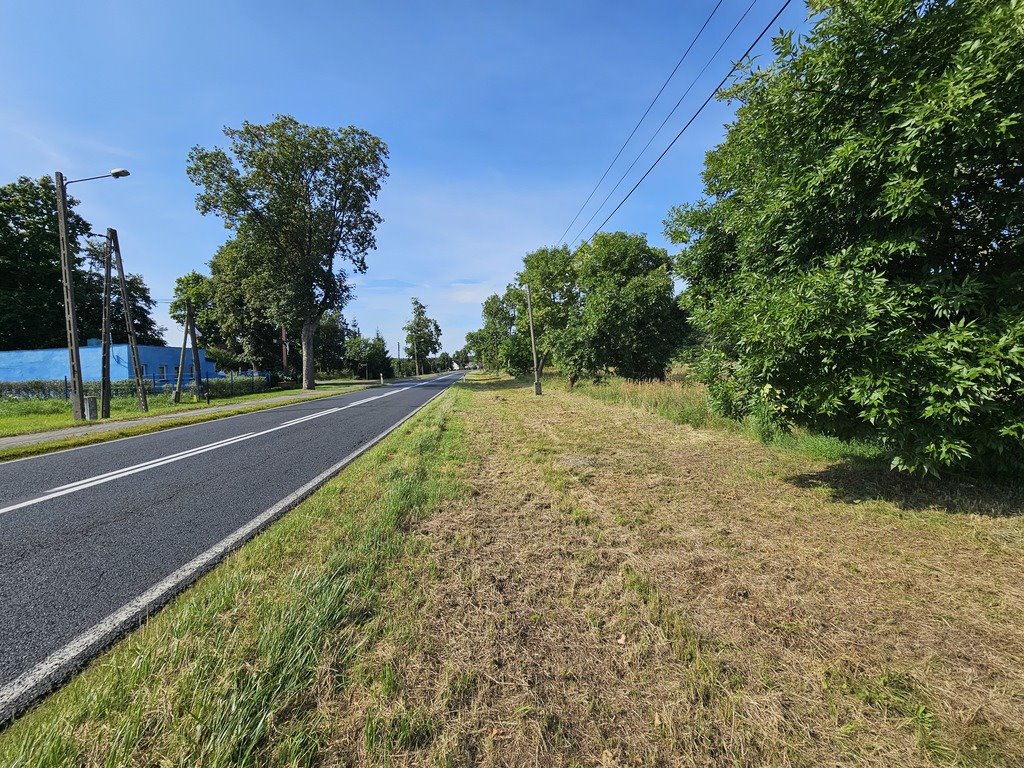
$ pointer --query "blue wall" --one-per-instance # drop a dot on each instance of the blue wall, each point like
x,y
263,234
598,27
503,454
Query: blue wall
x,y
52,364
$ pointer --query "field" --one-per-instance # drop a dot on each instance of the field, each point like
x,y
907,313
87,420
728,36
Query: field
x,y
582,578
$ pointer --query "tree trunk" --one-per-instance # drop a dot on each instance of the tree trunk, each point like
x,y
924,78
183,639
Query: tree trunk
x,y
308,329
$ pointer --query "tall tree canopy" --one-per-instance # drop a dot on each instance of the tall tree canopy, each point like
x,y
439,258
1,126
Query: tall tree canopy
x,y
629,315
856,266
298,198
555,294
31,293
422,335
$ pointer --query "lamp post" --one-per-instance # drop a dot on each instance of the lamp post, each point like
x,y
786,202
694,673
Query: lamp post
x,y
67,277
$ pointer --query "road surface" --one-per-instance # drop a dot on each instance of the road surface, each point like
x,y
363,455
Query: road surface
x,y
93,539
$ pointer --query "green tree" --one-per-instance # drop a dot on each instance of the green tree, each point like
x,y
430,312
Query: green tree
x,y
856,267
444,362
629,307
500,345
368,356
90,306
462,356
31,296
422,335
555,296
239,287
31,292
331,345
299,200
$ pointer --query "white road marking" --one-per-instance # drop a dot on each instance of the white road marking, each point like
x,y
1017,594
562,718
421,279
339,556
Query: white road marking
x,y
59,665
107,477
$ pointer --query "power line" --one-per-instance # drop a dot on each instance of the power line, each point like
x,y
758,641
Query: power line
x,y
697,113
667,118
642,118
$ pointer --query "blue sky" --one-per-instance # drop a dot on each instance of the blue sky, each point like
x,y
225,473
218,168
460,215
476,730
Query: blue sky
x,y
500,118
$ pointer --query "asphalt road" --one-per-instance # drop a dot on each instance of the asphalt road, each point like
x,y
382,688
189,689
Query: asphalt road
x,y
95,538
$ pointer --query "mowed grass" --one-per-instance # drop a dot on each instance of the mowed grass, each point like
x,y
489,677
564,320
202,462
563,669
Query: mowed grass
x,y
573,581
243,669
28,416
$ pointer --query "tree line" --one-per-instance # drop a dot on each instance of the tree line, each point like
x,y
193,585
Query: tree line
x,y
609,305
855,264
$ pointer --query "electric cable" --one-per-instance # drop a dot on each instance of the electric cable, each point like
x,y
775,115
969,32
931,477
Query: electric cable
x,y
642,118
650,141
696,114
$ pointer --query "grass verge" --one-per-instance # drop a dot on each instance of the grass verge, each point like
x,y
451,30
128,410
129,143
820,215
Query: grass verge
x,y
193,417
686,402
243,669
27,416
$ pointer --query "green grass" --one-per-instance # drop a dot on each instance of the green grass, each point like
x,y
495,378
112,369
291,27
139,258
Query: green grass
x,y
195,415
244,668
23,417
686,402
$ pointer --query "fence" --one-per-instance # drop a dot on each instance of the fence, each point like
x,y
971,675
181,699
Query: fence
x,y
60,389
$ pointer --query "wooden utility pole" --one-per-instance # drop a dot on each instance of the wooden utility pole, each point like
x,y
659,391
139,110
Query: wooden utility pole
x,y
197,372
105,375
140,384
181,357
533,342
67,272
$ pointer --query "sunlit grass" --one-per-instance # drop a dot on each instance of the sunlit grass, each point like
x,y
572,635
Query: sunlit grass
x,y
28,416
233,672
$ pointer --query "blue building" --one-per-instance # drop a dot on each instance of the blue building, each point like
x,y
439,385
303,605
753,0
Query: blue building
x,y
159,364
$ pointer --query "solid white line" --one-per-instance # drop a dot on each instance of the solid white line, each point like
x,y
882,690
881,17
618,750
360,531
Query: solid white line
x,y
107,477
58,666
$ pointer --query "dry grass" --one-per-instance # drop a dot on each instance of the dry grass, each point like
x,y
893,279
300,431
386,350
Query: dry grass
x,y
623,590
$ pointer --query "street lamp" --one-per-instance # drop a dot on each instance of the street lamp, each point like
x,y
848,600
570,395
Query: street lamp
x,y
67,275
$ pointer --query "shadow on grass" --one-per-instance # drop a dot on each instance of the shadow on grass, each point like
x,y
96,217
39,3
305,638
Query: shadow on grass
x,y
496,383
865,480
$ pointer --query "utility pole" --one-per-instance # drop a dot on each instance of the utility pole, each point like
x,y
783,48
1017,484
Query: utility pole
x,y
105,375
181,357
70,313
197,372
67,271
533,342
140,385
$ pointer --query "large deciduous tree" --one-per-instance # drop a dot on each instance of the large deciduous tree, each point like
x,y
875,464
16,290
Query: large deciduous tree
x,y
857,265
299,199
